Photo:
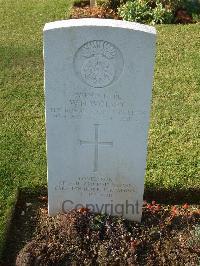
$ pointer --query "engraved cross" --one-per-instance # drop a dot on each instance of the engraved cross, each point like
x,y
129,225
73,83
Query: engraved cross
x,y
96,144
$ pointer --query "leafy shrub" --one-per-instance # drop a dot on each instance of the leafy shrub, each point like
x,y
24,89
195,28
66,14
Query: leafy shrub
x,y
161,15
135,11
193,8
112,4
144,11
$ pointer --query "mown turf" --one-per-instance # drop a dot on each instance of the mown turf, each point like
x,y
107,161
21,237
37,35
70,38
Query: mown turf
x,y
174,133
23,160
174,139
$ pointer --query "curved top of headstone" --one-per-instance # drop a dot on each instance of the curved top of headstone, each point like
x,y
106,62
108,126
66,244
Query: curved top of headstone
x,y
88,22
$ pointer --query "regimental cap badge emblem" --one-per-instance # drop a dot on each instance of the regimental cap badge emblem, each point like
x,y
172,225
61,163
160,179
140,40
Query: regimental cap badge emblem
x,y
98,63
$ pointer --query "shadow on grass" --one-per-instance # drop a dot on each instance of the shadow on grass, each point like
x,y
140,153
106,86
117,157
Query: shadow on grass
x,y
161,195
173,196
24,221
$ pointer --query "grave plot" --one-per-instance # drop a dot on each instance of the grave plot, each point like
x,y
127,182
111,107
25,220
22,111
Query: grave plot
x,y
166,233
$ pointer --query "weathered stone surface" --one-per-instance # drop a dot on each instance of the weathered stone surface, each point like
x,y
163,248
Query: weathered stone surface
x,y
98,83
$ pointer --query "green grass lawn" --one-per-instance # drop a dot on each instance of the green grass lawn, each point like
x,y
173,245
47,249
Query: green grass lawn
x,y
174,134
23,159
174,139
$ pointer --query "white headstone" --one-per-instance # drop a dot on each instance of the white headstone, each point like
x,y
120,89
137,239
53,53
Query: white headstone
x,y
98,83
